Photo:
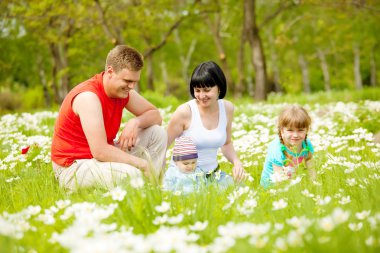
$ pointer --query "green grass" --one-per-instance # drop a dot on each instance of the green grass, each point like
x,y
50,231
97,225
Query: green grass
x,y
239,219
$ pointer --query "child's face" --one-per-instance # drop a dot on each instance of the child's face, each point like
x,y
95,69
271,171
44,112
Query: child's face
x,y
293,137
186,166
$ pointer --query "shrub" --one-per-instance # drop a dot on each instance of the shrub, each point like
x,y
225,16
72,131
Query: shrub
x,y
9,101
160,100
32,99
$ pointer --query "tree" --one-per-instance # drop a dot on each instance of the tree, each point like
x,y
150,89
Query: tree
x,y
258,57
53,25
141,21
213,20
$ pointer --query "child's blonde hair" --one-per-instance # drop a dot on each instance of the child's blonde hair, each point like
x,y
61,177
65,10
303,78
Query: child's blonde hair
x,y
294,116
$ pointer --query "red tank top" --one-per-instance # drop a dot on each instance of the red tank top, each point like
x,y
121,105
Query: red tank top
x,y
69,142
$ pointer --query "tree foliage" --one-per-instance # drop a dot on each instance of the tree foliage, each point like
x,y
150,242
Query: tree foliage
x,y
54,45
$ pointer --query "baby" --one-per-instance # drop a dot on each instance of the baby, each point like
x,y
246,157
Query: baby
x,y
183,174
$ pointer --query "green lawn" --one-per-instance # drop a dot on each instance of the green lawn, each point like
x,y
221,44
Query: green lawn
x,y
338,212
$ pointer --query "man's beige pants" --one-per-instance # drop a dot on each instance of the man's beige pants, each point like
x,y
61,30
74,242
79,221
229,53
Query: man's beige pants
x,y
150,145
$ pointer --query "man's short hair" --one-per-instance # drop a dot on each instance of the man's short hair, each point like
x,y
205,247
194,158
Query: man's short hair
x,y
122,56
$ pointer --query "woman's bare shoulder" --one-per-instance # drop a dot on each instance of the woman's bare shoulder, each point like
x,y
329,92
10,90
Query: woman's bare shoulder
x,y
229,106
183,112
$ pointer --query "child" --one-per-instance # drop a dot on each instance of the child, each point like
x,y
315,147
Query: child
x,y
182,174
290,148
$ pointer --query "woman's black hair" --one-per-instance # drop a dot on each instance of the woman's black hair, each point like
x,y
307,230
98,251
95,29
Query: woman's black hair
x,y
208,74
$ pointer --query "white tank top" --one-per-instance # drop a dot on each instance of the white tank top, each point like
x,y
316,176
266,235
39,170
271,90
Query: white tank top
x,y
207,141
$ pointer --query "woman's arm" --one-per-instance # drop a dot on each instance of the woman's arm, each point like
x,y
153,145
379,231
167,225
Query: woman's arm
x,y
179,122
228,149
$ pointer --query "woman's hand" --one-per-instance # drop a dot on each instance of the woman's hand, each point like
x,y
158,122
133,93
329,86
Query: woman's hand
x,y
238,172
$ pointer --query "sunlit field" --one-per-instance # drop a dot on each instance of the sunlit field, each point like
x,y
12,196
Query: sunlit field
x,y
338,212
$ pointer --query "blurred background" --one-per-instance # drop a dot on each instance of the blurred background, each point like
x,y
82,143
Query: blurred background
x,y
265,48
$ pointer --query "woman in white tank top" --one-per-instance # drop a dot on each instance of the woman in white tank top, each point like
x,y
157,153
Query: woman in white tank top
x,y
207,119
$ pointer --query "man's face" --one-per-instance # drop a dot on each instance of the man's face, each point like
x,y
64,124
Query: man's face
x,y
119,84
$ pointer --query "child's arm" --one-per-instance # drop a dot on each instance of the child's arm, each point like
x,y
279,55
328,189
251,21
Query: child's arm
x,y
278,169
282,170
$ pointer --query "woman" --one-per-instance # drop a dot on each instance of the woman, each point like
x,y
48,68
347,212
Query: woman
x,y
207,119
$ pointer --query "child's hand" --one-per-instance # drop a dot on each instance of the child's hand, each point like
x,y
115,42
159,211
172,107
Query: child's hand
x,y
288,171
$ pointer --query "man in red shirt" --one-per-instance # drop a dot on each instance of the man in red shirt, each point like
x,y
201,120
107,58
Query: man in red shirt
x,y
84,150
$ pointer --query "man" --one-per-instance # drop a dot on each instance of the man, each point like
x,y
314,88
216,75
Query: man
x,y
84,152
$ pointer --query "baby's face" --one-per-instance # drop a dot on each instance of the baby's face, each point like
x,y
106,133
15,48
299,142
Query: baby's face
x,y
186,166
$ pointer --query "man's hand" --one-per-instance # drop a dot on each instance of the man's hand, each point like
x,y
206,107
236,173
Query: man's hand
x,y
144,166
147,169
128,136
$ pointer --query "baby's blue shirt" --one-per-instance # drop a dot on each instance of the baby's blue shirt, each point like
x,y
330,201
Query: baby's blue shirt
x,y
175,180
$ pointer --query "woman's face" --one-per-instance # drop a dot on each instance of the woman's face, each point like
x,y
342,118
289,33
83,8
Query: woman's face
x,y
207,95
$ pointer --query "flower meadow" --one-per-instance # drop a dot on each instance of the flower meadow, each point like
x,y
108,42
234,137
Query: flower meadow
x,y
338,211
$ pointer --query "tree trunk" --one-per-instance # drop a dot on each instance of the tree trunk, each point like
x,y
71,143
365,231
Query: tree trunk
x,y
60,75
239,89
359,3
65,69
185,58
42,75
305,74
276,72
186,61
215,28
258,57
325,69
55,69
148,54
358,76
373,68
165,77
150,71
113,33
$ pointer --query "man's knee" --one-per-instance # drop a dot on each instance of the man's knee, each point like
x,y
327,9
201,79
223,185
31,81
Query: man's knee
x,y
159,134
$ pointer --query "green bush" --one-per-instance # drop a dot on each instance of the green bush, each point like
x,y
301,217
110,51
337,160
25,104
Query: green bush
x,y
323,97
33,99
22,100
9,101
160,100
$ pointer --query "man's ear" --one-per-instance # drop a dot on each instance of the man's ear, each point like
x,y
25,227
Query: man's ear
x,y
109,70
